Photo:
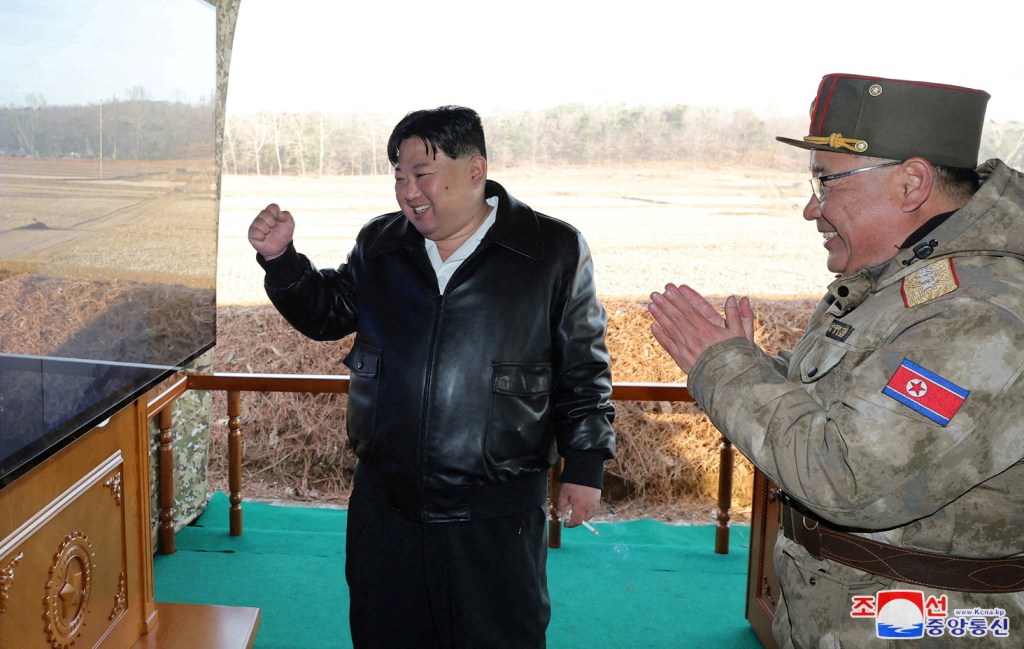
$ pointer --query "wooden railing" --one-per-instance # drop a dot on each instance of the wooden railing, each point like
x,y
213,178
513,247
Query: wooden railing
x,y
235,384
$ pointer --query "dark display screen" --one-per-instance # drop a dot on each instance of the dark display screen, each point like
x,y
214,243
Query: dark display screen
x,y
108,210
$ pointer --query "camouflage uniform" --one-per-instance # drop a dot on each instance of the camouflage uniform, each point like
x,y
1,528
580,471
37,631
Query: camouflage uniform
x,y
191,446
817,422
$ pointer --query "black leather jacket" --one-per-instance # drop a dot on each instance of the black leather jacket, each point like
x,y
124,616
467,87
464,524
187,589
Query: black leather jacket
x,y
458,402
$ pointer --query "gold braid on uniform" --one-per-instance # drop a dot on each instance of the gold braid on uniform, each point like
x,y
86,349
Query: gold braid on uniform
x,y
837,141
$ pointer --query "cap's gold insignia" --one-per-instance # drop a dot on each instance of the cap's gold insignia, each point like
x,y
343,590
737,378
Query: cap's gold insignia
x,y
929,282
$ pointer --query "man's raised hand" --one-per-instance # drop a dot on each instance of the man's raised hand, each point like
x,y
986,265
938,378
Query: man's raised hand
x,y
271,231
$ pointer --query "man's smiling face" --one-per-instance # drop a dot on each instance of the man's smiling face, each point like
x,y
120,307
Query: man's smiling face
x,y
436,193
858,218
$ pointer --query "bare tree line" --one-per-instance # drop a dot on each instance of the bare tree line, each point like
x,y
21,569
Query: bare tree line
x,y
322,144
136,128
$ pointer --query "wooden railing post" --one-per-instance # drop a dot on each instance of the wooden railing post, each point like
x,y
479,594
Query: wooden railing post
x,y
166,424
235,460
725,466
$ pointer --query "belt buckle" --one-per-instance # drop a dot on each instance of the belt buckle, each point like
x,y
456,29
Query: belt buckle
x,y
809,535
802,529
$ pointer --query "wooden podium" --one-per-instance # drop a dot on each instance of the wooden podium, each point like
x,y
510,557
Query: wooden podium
x,y
76,555
762,582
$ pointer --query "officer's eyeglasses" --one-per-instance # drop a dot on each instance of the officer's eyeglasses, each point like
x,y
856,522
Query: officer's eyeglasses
x,y
818,182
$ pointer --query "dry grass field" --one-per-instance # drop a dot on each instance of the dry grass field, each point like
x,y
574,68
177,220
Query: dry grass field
x,y
727,231
64,217
723,231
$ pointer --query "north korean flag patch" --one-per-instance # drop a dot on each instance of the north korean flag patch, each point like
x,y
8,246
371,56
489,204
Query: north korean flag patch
x,y
926,392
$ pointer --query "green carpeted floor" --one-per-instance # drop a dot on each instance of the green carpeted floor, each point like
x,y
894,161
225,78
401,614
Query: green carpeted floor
x,y
640,584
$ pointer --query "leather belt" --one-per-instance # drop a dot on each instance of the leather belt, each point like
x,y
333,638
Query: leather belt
x,y
942,572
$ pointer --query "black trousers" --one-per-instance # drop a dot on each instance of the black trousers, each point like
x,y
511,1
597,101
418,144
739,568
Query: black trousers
x,y
462,585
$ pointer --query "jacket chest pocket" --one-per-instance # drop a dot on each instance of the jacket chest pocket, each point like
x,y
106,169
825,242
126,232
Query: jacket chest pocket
x,y
821,365
820,362
363,362
518,418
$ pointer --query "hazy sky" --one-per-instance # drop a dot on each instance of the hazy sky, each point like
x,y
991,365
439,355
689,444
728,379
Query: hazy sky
x,y
76,52
400,55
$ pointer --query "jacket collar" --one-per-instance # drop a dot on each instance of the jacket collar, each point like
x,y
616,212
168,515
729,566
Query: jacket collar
x,y
516,228
988,224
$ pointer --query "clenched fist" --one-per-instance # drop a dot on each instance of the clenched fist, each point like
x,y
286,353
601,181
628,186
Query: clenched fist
x,y
271,231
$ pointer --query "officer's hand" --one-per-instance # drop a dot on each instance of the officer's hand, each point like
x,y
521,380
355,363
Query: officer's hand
x,y
271,231
686,324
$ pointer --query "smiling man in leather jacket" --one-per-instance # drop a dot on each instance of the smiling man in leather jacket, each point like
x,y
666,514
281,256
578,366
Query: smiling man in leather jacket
x,y
479,357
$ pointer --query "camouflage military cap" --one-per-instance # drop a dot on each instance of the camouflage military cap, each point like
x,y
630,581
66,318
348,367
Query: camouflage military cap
x,y
895,119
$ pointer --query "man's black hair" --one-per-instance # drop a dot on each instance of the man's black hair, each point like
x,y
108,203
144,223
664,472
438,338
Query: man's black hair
x,y
454,130
958,181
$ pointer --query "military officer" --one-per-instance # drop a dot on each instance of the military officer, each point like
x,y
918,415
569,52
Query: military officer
x,y
895,428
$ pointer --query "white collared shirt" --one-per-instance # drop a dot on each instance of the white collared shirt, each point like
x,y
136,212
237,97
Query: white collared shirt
x,y
446,268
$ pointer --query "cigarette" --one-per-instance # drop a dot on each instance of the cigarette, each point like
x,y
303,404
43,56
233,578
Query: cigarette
x,y
587,526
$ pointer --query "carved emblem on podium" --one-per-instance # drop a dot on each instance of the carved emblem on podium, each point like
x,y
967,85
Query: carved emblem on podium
x,y
114,484
67,592
6,577
121,598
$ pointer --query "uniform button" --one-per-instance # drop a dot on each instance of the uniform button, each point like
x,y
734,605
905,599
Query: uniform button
x,y
359,365
812,581
812,372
